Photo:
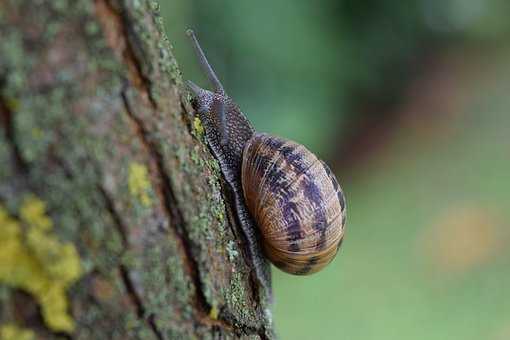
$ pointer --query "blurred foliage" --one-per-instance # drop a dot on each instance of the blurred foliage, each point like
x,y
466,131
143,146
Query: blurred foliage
x,y
427,249
301,70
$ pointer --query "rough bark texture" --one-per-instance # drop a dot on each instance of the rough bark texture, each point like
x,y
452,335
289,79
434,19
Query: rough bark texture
x,y
112,219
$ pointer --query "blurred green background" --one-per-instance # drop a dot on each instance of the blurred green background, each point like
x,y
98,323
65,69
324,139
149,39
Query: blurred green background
x,y
408,101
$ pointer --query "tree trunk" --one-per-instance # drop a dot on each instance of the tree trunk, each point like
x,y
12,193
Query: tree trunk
x,y
112,219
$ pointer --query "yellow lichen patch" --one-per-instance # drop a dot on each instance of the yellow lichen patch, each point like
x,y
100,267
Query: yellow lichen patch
x,y
139,183
37,133
214,312
13,104
33,211
197,125
13,332
33,259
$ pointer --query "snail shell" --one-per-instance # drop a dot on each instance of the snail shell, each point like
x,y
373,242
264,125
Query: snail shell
x,y
297,203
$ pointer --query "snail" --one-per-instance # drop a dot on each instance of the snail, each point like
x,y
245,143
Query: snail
x,y
289,204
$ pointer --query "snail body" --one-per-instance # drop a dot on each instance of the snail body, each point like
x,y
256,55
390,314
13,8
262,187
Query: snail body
x,y
288,203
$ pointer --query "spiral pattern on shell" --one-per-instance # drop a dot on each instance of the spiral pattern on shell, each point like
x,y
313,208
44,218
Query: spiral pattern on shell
x,y
296,202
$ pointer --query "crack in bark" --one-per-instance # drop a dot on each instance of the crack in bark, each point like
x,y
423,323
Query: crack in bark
x,y
6,117
117,221
137,302
176,220
117,31
120,37
134,297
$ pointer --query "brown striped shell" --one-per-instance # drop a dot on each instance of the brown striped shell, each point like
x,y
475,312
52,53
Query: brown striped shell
x,y
296,202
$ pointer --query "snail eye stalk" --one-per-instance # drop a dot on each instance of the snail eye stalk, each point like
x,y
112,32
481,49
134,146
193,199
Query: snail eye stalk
x,y
218,88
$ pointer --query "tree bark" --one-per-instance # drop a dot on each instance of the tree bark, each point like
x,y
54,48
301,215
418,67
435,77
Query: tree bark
x,y
112,220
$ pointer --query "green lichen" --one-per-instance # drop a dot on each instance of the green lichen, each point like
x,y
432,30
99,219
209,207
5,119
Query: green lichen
x,y
180,282
181,153
60,5
139,183
33,259
13,56
232,250
195,157
13,332
201,225
92,28
217,207
236,299
154,45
